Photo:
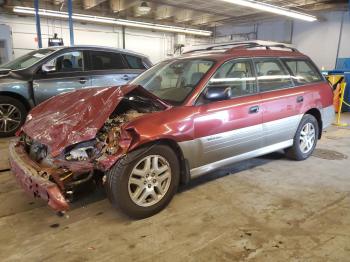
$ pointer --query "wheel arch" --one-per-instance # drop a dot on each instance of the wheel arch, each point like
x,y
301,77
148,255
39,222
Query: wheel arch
x,y
315,112
18,97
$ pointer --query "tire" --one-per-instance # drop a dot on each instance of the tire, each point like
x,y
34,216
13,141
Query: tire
x,y
120,179
10,125
300,151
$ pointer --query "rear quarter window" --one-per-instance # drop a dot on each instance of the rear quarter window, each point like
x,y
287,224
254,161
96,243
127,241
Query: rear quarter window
x,y
303,71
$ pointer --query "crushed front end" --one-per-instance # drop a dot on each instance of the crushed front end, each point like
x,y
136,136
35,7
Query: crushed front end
x,y
56,172
35,179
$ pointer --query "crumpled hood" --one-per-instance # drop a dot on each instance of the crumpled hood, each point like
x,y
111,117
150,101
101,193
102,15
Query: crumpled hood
x,y
73,117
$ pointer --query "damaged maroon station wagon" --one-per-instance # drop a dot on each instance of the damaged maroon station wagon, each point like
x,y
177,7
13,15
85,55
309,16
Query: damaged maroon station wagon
x,y
180,119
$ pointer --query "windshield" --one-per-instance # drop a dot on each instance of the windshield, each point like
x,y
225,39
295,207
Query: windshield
x,y
27,60
173,81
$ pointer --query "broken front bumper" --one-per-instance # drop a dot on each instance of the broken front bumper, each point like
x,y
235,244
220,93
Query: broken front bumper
x,y
31,177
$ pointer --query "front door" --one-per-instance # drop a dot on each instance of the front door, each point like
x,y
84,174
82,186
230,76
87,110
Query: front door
x,y
224,129
64,73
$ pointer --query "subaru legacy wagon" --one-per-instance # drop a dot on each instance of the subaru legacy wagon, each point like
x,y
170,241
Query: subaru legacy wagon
x,y
37,76
181,119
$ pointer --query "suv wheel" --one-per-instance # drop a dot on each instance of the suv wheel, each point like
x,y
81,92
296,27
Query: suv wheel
x,y
143,182
305,139
12,115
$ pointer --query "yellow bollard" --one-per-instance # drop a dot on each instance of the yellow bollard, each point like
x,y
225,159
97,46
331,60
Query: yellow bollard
x,y
341,101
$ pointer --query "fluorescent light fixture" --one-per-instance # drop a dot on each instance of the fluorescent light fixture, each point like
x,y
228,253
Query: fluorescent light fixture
x,y
113,21
273,9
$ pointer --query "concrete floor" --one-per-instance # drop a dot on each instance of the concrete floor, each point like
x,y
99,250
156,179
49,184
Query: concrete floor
x,y
267,209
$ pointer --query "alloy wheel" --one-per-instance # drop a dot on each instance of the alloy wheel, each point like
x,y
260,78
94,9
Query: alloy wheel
x,y
307,138
149,180
10,118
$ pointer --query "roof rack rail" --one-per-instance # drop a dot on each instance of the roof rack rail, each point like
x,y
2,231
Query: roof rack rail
x,y
245,45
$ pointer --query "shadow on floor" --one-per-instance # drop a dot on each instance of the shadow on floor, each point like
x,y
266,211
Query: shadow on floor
x,y
98,194
232,170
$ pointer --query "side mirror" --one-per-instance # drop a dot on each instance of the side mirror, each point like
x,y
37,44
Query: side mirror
x,y
217,93
47,68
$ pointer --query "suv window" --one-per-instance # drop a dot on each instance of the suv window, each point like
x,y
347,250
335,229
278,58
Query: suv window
x,y
303,71
106,60
236,75
68,62
174,80
134,62
272,75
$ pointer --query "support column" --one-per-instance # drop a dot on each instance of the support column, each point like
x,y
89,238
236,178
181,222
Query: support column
x,y
37,22
123,33
70,21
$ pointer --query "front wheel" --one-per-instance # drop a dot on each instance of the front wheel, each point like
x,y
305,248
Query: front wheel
x,y
12,115
305,139
143,182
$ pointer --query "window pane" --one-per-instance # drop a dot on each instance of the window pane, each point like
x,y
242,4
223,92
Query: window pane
x,y
27,60
272,76
174,80
134,62
106,61
237,76
68,62
303,71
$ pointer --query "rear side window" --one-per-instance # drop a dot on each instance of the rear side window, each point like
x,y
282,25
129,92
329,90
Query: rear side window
x,y
272,75
236,75
134,62
303,71
106,61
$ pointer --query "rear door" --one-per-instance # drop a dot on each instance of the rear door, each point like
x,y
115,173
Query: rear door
x,y
110,69
280,101
231,127
67,74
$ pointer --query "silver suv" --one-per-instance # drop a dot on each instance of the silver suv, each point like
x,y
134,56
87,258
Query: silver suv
x,y
41,74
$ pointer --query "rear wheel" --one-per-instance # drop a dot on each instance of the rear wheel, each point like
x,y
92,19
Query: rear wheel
x,y
305,139
12,115
144,181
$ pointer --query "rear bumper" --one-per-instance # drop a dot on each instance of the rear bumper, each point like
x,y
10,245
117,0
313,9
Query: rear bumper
x,y
32,178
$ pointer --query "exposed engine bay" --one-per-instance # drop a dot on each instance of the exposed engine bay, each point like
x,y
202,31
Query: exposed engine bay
x,y
106,140
87,154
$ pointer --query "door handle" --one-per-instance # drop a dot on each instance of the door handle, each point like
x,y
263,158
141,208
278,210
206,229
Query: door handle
x,y
254,110
82,80
125,77
300,99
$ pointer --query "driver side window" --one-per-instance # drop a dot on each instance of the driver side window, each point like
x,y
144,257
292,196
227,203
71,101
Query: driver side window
x,y
236,77
68,62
